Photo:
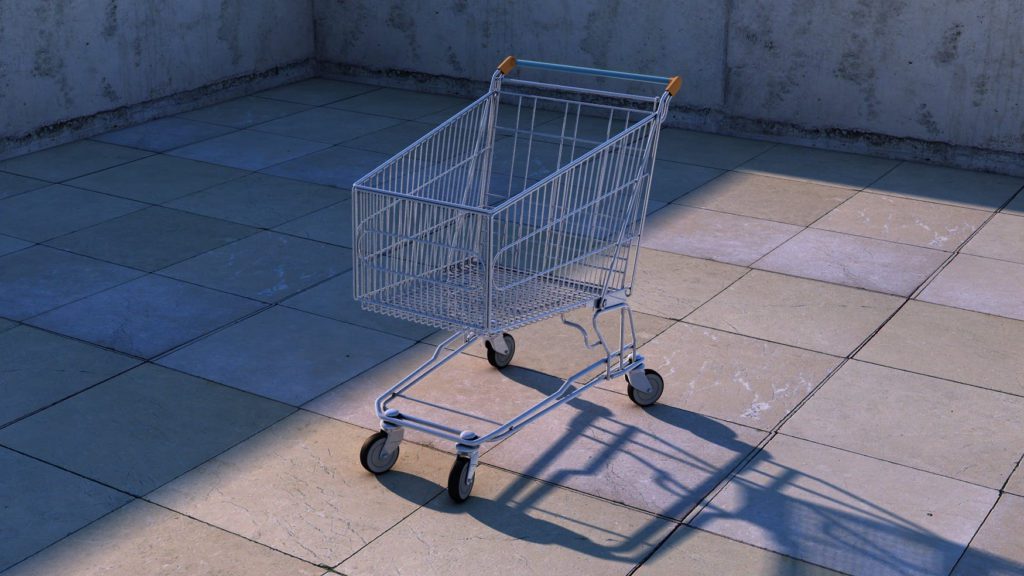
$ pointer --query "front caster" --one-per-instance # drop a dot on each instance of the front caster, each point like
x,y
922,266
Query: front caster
x,y
376,456
642,398
460,482
501,359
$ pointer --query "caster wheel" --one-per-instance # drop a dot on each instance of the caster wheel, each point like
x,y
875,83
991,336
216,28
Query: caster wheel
x,y
459,485
501,360
372,456
646,398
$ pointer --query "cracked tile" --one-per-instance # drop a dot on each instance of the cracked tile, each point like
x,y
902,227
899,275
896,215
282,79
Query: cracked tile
x,y
840,510
776,199
732,377
50,501
713,235
141,537
1000,293
806,313
952,344
40,369
143,428
854,261
955,430
513,524
298,487
925,224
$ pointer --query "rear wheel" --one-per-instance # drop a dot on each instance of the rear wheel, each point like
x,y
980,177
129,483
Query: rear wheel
x,y
641,398
501,360
459,483
372,455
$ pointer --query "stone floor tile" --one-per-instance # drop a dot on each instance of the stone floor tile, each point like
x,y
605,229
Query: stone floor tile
x,y
42,504
707,554
249,149
298,487
6,324
733,377
141,538
333,299
56,210
286,355
848,512
513,525
979,284
1016,483
674,179
805,313
316,91
327,125
332,225
244,112
511,157
952,344
1001,238
12,184
68,161
143,428
42,369
854,261
776,199
337,166
158,178
1016,206
147,316
672,285
8,245
660,459
553,348
164,134
714,235
391,140
260,200
948,185
153,238
399,103
267,266
996,550
38,279
821,166
936,425
926,224
467,393
703,149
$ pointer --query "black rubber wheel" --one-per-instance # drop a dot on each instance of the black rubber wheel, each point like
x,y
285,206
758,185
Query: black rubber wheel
x,y
459,486
646,398
371,454
501,360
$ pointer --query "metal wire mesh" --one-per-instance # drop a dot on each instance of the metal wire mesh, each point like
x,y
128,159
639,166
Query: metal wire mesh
x,y
521,206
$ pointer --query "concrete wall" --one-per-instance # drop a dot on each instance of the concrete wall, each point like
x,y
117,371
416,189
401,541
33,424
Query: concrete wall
x,y
936,80
72,68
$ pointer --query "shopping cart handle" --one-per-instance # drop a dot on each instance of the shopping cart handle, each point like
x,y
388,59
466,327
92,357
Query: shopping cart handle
x,y
672,84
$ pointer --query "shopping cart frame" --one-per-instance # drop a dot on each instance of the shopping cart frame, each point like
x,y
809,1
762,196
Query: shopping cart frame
x,y
644,386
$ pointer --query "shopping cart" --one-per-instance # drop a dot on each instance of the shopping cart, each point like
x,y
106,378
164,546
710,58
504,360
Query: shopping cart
x,y
526,204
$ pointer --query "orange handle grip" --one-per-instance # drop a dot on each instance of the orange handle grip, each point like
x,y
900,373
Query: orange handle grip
x,y
673,85
507,64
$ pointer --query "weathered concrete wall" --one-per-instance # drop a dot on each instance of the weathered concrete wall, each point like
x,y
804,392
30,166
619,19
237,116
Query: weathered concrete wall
x,y
936,80
71,68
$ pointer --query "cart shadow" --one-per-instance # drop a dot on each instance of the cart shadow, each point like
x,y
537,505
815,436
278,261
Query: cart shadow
x,y
849,532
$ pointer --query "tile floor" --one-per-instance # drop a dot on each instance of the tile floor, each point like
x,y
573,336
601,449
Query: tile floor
x,y
186,382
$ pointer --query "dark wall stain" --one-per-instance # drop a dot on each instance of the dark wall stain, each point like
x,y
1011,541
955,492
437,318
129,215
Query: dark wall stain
x,y
108,92
950,44
110,20
600,31
979,88
227,31
927,120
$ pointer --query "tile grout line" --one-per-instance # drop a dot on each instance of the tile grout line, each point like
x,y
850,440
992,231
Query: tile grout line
x,y
999,496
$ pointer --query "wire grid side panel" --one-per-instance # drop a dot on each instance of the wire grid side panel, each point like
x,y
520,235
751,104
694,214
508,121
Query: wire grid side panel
x,y
538,134
419,261
571,236
450,164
